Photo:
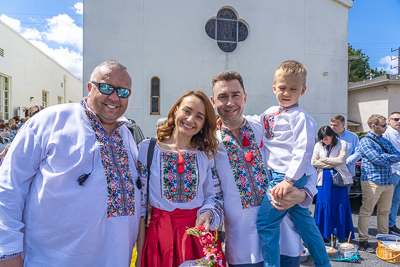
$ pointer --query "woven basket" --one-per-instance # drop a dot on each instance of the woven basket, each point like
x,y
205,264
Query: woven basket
x,y
387,254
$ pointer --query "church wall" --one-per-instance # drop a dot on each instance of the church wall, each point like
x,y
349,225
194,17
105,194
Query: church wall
x,y
167,39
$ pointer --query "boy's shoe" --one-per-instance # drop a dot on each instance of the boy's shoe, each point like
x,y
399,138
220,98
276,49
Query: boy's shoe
x,y
394,230
365,246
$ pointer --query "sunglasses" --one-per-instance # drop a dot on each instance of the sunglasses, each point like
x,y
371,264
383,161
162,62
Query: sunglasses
x,y
395,119
384,126
108,89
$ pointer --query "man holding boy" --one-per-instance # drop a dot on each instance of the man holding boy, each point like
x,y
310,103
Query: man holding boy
x,y
377,155
241,168
68,194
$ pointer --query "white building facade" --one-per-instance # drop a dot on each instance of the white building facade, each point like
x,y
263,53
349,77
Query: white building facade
x,y
173,46
379,95
29,77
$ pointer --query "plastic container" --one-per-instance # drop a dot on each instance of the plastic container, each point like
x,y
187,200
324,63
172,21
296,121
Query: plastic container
x,y
348,250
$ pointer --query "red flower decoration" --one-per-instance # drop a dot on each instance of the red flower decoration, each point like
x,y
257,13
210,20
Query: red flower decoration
x,y
206,239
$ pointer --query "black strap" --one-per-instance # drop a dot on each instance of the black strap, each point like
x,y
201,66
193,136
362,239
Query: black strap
x,y
373,139
150,152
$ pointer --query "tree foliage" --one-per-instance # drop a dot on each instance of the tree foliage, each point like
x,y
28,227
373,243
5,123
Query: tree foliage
x,y
359,66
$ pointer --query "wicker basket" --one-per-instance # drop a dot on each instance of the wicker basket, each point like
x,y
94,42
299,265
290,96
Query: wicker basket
x,y
387,254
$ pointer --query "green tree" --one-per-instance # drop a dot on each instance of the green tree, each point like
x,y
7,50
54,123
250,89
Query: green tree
x,y
377,72
359,66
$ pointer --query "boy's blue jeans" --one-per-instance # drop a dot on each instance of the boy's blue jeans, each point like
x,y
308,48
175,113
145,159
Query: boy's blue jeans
x,y
269,220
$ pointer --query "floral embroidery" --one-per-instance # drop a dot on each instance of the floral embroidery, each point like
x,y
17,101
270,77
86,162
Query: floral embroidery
x,y
114,158
142,171
269,121
250,177
218,201
8,257
179,188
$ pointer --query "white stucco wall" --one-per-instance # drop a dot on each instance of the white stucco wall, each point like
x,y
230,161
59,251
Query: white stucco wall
x,y
381,98
167,39
31,71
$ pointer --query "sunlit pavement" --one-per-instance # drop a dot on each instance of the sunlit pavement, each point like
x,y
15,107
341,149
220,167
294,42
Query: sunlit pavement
x,y
367,259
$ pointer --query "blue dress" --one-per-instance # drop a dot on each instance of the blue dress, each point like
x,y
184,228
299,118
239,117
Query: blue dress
x,y
332,209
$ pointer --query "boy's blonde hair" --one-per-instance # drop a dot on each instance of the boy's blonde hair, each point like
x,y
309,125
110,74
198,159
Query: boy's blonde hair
x,y
289,68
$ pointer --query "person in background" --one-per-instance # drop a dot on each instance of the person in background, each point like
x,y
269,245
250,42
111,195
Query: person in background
x,y
338,126
68,182
34,110
10,122
332,208
377,156
183,187
161,122
13,131
16,119
4,131
22,121
392,134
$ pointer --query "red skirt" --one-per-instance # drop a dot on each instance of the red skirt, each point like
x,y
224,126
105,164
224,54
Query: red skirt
x,y
164,245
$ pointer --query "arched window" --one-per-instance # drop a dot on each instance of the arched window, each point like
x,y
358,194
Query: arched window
x,y
155,96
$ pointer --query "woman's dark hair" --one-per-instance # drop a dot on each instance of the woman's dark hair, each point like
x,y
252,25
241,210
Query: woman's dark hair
x,y
327,131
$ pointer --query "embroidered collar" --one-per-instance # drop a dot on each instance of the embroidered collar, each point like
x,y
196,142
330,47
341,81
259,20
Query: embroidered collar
x,y
224,128
290,107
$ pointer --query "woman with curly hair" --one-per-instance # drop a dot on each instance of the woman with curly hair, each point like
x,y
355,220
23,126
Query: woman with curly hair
x,y
183,187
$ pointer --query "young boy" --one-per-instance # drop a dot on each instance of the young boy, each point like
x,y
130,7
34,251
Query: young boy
x,y
289,137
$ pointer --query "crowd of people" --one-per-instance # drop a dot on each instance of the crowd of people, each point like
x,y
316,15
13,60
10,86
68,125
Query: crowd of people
x,y
86,195
9,129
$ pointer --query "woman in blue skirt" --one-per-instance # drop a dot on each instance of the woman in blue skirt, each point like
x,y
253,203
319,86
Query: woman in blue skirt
x,y
332,209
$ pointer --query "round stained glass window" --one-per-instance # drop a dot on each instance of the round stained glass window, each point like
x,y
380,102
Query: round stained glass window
x,y
227,30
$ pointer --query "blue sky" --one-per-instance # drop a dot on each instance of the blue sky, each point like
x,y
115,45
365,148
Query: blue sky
x,y
374,27
55,27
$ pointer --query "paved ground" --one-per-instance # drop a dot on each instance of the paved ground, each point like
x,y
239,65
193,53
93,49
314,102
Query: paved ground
x,y
367,259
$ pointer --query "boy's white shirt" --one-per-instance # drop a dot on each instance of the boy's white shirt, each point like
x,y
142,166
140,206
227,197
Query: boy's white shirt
x,y
242,240
291,148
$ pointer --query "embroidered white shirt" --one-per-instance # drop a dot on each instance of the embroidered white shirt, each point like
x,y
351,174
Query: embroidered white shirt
x,y
196,187
243,186
289,139
67,224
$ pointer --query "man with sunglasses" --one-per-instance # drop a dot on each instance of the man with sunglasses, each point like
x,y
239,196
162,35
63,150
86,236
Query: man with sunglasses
x,y
69,180
377,155
392,134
